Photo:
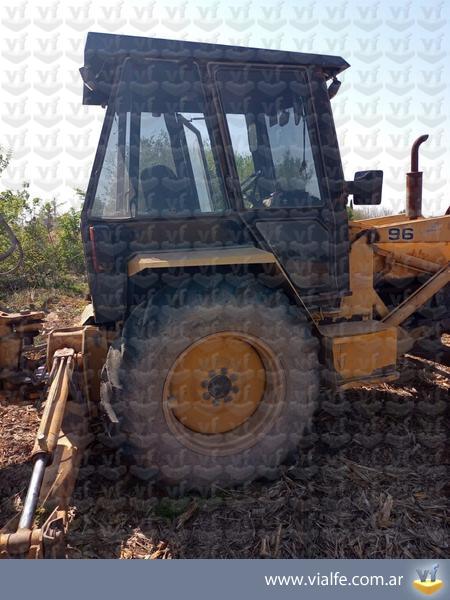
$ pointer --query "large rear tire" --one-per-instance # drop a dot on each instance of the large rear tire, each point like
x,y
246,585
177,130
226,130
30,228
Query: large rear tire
x,y
213,385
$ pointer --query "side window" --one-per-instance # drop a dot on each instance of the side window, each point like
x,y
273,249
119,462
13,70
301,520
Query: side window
x,y
105,203
154,143
241,140
292,153
206,175
160,158
113,187
156,162
269,120
177,167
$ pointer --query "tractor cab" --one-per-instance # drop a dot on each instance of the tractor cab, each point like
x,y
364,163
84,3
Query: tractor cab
x,y
171,142
208,145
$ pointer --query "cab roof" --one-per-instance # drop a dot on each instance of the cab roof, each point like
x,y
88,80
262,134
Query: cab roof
x,y
104,52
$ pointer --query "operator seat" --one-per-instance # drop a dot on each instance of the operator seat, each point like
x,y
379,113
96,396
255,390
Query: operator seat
x,y
163,191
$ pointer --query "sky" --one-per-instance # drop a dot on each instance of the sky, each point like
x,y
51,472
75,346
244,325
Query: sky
x,y
398,86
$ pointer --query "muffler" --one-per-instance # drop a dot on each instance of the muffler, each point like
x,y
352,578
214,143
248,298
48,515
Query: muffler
x,y
414,182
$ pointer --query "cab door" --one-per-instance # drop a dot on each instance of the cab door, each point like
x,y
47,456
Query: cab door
x,y
279,130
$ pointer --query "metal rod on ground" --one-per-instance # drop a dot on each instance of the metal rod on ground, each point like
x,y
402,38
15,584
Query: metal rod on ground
x,y
32,497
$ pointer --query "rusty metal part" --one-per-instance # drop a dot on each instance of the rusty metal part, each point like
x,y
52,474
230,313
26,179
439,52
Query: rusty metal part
x,y
14,329
45,542
415,151
53,535
414,263
91,345
77,355
19,542
47,437
414,182
60,440
69,337
17,332
404,310
50,425
414,195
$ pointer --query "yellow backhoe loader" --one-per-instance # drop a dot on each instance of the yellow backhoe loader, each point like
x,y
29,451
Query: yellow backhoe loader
x,y
227,282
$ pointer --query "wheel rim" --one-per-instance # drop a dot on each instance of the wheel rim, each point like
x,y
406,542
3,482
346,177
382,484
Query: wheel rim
x,y
222,392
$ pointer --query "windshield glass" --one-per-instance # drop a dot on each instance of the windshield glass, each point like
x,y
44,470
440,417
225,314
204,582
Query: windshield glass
x,y
269,124
159,157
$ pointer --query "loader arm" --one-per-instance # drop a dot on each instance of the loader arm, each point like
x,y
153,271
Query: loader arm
x,y
390,251
400,313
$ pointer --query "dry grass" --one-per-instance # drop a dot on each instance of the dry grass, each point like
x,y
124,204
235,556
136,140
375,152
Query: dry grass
x,y
62,309
18,425
369,483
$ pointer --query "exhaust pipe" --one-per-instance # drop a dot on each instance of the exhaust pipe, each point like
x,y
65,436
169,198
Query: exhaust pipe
x,y
414,182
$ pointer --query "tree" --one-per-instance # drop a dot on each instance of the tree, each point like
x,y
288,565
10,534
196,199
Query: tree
x,y
69,245
5,157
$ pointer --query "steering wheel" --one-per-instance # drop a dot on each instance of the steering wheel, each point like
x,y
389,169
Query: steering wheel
x,y
248,187
14,244
250,180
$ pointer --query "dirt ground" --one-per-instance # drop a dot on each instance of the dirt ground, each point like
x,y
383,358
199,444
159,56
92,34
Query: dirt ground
x,y
369,482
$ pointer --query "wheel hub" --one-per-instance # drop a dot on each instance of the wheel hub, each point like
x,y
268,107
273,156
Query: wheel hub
x,y
220,387
216,384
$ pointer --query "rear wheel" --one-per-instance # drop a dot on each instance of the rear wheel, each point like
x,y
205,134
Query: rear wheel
x,y
212,386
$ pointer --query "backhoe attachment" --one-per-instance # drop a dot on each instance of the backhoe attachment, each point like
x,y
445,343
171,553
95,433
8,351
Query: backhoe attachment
x,y
59,442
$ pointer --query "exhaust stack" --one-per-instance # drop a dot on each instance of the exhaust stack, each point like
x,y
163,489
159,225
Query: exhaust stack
x,y
414,182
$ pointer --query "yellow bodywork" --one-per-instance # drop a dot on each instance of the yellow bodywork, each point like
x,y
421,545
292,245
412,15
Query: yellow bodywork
x,y
364,300
199,257
386,248
421,246
405,247
357,351
361,344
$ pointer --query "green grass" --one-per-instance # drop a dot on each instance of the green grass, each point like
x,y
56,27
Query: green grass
x,y
170,509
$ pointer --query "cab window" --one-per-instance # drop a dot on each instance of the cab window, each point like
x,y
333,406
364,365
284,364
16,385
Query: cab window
x,y
159,158
269,122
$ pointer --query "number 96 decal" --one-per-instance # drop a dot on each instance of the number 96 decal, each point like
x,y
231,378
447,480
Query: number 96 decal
x,y
397,233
